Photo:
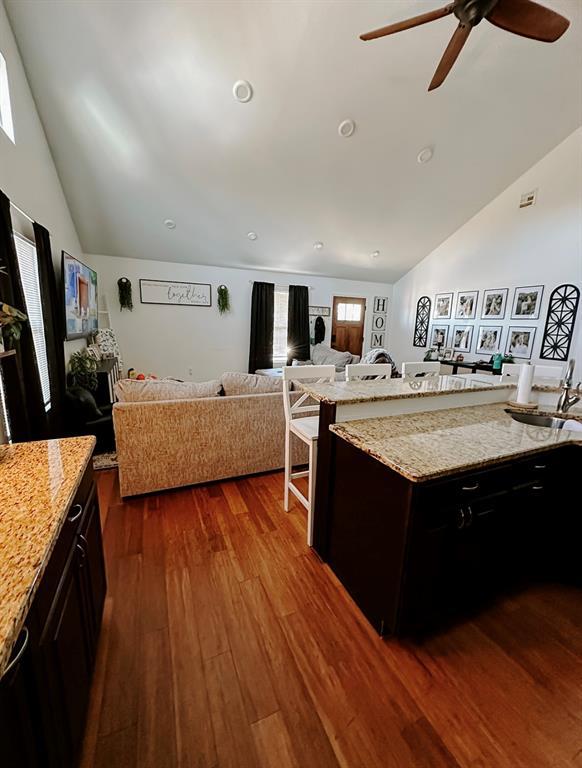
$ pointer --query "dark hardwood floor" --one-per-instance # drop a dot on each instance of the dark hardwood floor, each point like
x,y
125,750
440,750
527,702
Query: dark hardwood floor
x,y
227,644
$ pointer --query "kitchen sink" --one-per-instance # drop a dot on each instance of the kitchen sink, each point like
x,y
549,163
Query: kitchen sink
x,y
536,420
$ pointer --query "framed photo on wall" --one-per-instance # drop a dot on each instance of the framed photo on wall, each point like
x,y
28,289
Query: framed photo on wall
x,y
494,302
439,335
520,342
463,337
489,339
443,306
527,302
466,305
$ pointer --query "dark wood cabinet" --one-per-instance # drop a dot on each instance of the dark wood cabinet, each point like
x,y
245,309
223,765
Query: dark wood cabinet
x,y
413,555
53,684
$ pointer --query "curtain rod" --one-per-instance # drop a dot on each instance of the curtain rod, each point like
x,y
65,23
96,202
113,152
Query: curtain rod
x,y
26,216
252,282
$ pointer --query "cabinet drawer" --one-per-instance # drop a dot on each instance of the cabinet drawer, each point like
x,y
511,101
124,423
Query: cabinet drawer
x,y
65,541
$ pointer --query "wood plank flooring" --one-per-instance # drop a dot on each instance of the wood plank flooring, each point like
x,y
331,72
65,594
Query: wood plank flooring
x,y
227,644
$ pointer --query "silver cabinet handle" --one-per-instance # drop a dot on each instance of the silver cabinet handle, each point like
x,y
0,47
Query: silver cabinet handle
x,y
470,521
77,510
81,549
470,487
19,653
460,518
539,466
537,487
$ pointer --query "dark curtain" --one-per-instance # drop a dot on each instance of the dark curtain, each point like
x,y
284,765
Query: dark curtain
x,y
54,334
298,323
262,321
24,399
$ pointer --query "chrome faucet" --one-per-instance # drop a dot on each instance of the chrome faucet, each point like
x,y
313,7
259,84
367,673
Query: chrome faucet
x,y
567,400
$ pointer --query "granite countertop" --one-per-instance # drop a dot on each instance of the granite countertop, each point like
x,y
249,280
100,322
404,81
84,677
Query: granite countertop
x,y
38,482
362,390
433,444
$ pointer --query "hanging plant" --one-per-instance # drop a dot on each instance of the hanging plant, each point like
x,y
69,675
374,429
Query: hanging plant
x,y
223,299
125,300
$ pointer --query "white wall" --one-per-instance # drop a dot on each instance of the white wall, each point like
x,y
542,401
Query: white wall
x,y
171,340
27,172
504,246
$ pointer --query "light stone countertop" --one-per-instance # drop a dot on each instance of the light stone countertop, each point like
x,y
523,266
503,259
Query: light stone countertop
x,y
432,444
38,482
363,391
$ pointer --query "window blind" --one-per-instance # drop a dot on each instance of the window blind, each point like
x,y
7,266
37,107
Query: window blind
x,y
280,326
28,265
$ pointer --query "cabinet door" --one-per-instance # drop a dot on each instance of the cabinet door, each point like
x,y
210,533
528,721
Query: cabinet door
x,y
93,570
66,661
19,744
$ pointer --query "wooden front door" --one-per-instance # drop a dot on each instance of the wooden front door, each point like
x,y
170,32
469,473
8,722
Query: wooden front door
x,y
347,329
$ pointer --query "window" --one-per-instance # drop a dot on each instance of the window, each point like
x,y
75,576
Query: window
x,y
350,313
5,109
280,326
28,265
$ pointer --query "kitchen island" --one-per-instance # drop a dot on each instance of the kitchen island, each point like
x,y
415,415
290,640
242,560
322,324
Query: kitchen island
x,y
428,513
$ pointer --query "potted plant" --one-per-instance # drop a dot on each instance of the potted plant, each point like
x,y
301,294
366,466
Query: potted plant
x,y
11,320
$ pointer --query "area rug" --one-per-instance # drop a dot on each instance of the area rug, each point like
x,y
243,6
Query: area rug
x,y
105,460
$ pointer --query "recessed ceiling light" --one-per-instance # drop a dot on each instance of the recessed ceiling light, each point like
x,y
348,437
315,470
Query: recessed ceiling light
x,y
252,235
425,155
374,254
170,223
318,245
346,128
242,91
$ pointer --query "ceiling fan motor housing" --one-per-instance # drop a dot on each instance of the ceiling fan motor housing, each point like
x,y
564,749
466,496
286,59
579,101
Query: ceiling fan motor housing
x,y
471,12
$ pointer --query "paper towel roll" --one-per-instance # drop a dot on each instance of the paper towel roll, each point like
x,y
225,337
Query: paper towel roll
x,y
526,374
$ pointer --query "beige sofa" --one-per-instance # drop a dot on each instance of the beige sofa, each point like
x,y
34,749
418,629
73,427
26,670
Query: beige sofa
x,y
175,442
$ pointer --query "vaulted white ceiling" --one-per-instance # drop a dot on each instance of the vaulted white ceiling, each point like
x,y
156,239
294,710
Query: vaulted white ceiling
x,y
136,100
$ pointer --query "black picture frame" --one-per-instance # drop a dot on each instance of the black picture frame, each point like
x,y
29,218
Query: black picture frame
x,y
480,350
470,344
531,329
525,289
475,295
436,300
491,318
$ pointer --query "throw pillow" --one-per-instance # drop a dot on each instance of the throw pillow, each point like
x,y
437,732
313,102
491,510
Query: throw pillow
x,y
250,384
132,391
324,355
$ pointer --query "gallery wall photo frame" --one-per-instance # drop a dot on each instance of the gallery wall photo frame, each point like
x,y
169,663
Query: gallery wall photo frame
x,y
443,306
439,334
489,339
520,341
494,304
527,301
175,293
319,311
466,305
462,338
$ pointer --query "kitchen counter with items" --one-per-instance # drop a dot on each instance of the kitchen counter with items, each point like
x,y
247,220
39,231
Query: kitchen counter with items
x,y
52,591
427,445
430,514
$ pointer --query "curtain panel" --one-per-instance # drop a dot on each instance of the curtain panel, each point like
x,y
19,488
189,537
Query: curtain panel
x,y
54,332
298,323
262,321
23,392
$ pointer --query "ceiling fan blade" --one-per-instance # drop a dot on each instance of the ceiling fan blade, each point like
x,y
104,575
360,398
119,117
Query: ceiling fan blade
x,y
415,21
450,55
528,19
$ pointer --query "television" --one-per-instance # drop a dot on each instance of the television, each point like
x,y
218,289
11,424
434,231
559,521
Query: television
x,y
80,291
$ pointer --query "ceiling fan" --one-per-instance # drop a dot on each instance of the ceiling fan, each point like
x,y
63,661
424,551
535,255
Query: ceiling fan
x,y
522,17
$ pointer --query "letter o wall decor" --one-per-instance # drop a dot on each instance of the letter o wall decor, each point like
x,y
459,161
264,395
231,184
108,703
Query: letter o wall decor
x,y
560,321
421,322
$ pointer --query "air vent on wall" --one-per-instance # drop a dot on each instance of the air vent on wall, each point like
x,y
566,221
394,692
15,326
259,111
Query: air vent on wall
x,y
527,199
